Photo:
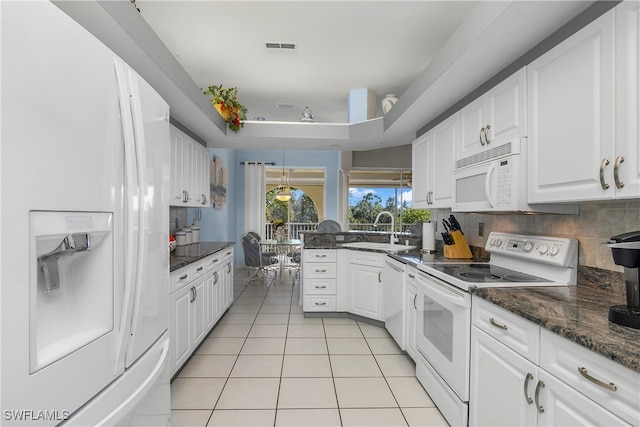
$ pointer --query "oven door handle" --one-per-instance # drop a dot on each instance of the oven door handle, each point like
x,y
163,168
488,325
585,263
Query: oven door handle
x,y
448,292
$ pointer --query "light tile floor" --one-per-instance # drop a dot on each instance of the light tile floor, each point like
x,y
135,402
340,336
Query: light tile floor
x,y
265,364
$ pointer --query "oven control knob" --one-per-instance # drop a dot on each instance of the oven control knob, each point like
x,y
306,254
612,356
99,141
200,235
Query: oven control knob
x,y
543,249
498,242
528,246
554,250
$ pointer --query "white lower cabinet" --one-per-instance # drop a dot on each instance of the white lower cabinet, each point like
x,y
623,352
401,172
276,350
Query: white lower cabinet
x,y
508,389
365,291
319,280
502,384
202,293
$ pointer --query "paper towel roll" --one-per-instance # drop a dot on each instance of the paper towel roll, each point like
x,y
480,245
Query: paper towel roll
x,y
429,236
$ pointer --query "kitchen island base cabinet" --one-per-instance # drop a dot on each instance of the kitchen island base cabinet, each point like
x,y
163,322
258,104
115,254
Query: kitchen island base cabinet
x,y
319,280
365,291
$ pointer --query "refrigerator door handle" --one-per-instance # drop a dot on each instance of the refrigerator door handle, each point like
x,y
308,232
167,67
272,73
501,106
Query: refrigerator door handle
x,y
130,217
142,208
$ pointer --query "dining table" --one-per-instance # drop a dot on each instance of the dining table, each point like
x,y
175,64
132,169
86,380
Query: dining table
x,y
282,248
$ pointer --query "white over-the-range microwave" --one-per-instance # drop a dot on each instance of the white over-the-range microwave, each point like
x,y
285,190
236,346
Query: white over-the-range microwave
x,y
495,180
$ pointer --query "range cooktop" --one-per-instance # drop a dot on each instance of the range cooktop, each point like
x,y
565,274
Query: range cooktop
x,y
486,273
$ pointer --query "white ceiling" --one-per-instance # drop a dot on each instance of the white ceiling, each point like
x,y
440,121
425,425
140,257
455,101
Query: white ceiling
x,y
379,45
430,53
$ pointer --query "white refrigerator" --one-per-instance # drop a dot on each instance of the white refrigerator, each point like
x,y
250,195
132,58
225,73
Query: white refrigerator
x,y
84,185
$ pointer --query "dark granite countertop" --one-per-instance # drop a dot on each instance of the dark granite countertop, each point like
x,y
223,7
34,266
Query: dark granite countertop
x,y
185,255
578,313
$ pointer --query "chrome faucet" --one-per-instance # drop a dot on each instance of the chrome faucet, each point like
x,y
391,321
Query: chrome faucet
x,y
392,239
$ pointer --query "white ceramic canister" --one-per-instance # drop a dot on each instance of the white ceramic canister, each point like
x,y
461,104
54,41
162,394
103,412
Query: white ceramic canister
x,y
189,235
181,238
195,234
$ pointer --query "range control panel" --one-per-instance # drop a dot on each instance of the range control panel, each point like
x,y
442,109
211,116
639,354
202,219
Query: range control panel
x,y
549,250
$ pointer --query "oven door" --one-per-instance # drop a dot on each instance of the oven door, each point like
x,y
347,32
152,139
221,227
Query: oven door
x,y
443,330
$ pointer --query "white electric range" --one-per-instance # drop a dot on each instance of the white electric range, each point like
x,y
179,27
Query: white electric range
x,y
443,324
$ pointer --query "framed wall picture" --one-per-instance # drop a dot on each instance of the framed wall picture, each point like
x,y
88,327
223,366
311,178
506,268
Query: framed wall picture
x,y
218,183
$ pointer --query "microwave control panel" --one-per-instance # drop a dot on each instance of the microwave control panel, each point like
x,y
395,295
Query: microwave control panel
x,y
503,184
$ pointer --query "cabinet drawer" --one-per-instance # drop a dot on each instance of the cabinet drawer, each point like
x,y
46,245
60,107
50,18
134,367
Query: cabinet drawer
x,y
319,255
565,359
197,269
513,331
319,270
179,278
373,259
320,286
319,303
212,261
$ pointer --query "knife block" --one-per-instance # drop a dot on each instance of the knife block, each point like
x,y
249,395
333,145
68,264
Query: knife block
x,y
460,249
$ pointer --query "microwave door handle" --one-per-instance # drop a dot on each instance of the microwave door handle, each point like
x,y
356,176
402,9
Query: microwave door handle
x,y
487,185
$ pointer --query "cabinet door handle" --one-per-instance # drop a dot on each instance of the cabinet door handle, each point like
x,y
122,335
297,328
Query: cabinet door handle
x,y
320,303
321,271
193,294
585,373
413,276
199,268
184,276
215,277
498,325
539,407
481,135
414,301
321,256
379,276
229,268
616,171
486,135
603,164
528,378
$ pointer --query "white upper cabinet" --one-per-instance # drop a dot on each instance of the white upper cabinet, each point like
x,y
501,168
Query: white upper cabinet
x,y
496,117
420,171
626,165
433,165
571,117
189,171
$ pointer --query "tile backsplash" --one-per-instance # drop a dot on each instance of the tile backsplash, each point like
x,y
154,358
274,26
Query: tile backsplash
x,y
595,224
177,218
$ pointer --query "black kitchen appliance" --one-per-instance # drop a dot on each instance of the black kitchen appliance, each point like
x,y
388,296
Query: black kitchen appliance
x,y
626,252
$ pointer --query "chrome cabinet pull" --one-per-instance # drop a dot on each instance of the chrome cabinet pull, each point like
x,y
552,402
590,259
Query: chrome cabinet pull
x,y
321,287
616,171
215,275
199,268
184,276
528,378
497,325
321,256
486,135
414,301
193,294
321,271
413,276
539,407
603,164
229,268
320,303
379,276
481,136
585,373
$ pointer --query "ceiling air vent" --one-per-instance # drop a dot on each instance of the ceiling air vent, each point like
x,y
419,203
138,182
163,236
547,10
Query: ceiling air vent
x,y
285,105
281,47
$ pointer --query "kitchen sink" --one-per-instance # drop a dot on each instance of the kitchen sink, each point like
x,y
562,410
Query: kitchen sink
x,y
386,247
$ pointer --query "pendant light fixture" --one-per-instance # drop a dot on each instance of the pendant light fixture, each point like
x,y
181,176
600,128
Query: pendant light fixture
x,y
284,191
